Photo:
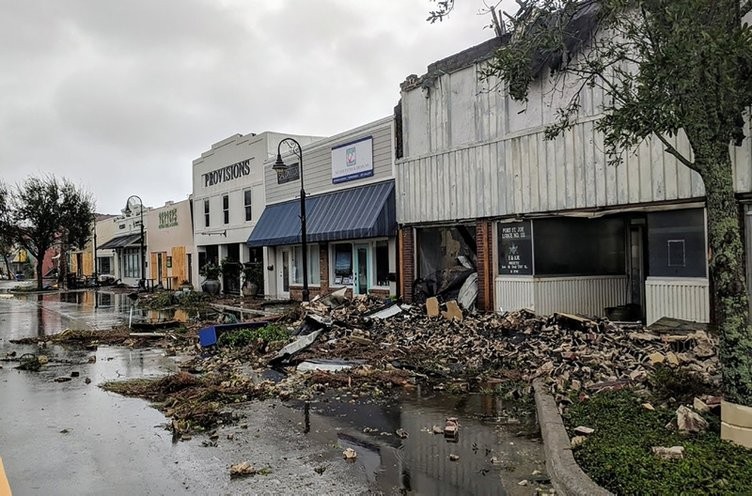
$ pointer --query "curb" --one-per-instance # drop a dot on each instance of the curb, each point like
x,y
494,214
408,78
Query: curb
x,y
4,485
567,477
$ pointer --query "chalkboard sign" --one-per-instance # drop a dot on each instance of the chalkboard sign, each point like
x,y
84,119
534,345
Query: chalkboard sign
x,y
516,249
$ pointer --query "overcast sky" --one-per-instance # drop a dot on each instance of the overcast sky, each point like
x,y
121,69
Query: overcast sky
x,y
121,95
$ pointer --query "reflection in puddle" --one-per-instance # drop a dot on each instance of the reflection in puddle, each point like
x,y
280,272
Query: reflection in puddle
x,y
45,314
494,455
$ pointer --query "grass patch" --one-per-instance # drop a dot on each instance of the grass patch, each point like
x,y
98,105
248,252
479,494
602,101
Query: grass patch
x,y
618,455
241,338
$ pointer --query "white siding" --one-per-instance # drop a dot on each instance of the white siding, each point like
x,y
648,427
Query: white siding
x,y
679,298
470,151
514,293
585,295
317,163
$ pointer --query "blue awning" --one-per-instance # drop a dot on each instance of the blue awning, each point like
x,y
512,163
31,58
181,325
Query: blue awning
x,y
362,212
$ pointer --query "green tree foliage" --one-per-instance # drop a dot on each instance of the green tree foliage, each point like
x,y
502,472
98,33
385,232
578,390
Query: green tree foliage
x,y
43,211
669,68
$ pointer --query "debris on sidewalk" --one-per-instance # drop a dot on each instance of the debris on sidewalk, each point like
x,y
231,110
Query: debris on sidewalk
x,y
350,455
241,470
688,420
672,453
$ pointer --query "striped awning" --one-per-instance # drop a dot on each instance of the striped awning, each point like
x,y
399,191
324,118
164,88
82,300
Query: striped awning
x,y
121,242
363,212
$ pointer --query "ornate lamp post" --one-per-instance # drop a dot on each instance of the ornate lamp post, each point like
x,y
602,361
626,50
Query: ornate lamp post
x,y
141,282
279,166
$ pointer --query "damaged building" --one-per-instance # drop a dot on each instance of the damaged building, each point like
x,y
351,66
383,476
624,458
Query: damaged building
x,y
547,225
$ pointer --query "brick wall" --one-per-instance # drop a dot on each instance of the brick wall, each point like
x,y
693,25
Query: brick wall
x,y
296,292
324,267
484,242
406,248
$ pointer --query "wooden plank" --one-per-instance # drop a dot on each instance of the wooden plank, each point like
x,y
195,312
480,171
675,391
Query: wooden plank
x,y
153,265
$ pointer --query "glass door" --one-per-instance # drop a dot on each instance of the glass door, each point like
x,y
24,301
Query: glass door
x,y
360,284
283,273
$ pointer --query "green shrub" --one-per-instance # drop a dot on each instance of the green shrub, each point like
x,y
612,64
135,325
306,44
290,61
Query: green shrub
x,y
618,454
239,338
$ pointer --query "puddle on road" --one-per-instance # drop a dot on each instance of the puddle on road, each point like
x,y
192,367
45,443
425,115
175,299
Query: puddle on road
x,y
50,313
496,450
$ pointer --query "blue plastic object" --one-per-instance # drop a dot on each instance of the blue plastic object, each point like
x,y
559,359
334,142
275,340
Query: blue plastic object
x,y
208,335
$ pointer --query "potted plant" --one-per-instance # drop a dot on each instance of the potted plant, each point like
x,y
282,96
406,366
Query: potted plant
x,y
211,273
252,274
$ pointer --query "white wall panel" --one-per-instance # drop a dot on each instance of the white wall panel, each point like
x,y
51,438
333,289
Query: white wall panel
x,y
505,166
680,298
586,295
514,293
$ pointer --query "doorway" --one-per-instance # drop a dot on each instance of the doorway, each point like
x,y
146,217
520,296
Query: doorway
x,y
360,282
159,268
637,264
283,272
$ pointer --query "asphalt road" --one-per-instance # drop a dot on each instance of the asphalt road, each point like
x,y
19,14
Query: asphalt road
x,y
74,438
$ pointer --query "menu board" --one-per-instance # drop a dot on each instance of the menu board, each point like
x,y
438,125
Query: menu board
x,y
516,248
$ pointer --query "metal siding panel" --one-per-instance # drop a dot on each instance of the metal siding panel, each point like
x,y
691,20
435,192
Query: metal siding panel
x,y
658,167
686,298
586,295
514,293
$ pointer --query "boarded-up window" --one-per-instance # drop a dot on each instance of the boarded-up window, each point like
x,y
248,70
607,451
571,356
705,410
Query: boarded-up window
x,y
676,243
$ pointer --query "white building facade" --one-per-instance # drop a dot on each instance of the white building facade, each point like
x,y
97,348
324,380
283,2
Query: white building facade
x,y
228,199
350,212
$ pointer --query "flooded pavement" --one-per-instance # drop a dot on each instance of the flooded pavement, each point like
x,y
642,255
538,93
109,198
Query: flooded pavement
x,y
75,438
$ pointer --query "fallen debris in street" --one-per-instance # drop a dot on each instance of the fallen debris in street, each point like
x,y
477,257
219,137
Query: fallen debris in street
x,y
349,454
241,470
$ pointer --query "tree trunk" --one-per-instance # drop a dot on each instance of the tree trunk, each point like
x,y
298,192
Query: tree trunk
x,y
7,265
40,268
727,274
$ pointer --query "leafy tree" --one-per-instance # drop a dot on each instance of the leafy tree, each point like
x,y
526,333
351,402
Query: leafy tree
x,y
6,240
669,68
43,211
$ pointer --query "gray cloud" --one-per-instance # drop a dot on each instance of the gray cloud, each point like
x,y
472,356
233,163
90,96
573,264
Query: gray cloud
x,y
121,96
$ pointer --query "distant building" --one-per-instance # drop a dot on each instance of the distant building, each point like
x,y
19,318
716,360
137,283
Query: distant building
x,y
171,249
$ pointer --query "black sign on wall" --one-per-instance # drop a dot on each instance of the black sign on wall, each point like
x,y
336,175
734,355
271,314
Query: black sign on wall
x,y
292,173
516,248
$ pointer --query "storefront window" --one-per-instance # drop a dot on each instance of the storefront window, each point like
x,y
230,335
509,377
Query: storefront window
x,y
676,244
343,264
382,263
582,247
314,274
105,265
131,263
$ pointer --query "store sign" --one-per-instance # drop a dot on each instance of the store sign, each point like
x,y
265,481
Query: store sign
x,y
352,160
234,171
168,218
292,173
516,249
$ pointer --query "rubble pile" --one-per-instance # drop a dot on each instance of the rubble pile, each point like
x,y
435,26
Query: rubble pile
x,y
572,352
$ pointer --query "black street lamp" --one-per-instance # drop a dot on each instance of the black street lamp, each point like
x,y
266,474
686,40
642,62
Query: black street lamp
x,y
279,166
141,283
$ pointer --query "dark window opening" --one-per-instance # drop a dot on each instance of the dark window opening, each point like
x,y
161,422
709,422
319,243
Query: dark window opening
x,y
226,208
579,247
206,213
676,244
247,204
382,263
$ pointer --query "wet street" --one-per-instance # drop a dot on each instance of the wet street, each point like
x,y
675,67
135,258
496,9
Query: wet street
x,y
74,438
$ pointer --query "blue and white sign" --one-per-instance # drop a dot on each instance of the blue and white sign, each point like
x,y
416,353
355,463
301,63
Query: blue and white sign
x,y
352,160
